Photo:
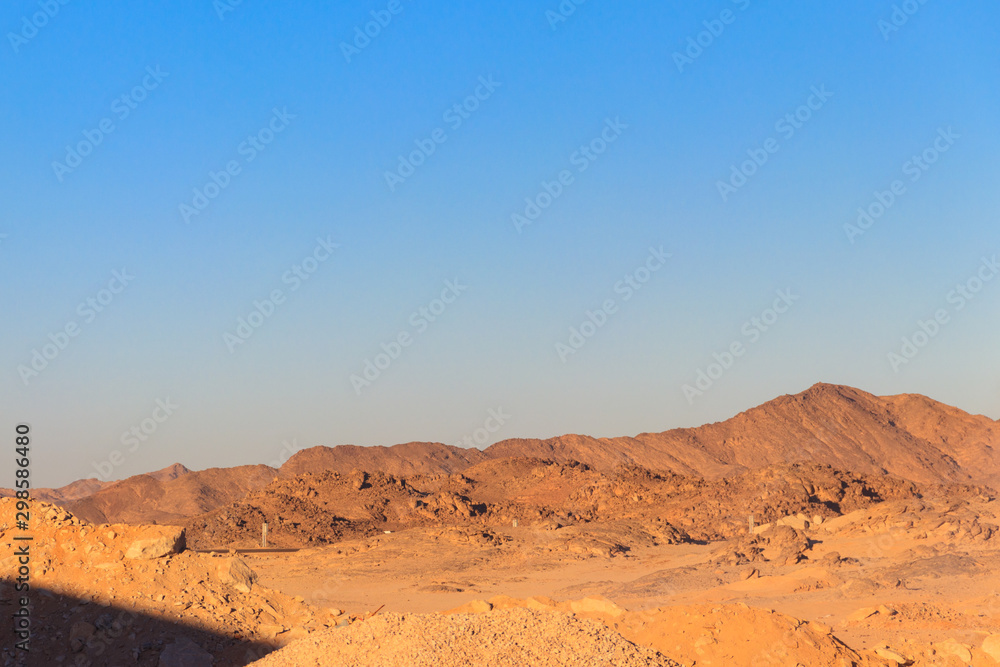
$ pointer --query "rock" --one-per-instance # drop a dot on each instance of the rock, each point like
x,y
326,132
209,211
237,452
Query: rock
x,y
540,603
798,522
863,613
749,573
480,606
79,634
817,519
892,656
359,480
270,631
859,587
170,541
953,647
596,605
185,653
991,647
235,572
820,628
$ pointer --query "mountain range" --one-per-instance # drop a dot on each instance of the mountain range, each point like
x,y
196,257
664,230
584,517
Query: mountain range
x,y
908,436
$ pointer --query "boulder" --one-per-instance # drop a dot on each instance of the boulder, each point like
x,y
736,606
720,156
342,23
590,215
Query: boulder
x,y
863,613
596,604
955,648
169,540
236,573
799,522
991,647
185,653
540,603
892,656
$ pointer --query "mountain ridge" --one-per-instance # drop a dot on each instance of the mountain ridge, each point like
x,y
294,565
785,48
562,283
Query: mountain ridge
x,y
909,436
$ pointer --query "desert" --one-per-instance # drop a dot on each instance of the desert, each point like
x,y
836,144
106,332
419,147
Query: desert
x,y
535,333
830,527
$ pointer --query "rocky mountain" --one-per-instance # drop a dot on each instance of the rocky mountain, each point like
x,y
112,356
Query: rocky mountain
x,y
88,487
160,498
907,436
413,458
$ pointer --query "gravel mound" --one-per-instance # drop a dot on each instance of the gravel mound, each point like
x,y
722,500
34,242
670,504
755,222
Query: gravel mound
x,y
508,638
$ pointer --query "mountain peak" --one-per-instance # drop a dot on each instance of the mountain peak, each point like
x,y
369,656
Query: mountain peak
x,y
170,472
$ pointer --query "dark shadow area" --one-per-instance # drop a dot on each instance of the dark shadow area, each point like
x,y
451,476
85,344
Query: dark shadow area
x,y
87,634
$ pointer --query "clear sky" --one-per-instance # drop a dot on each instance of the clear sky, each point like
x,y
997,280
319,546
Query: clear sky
x,y
666,167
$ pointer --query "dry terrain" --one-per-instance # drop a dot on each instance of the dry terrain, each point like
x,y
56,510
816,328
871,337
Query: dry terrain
x,y
832,527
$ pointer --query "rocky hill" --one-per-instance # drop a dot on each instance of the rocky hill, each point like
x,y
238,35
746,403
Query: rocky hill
x,y
907,436
165,499
328,507
413,458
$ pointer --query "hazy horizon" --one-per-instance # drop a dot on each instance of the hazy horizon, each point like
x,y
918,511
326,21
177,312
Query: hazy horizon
x,y
245,226
289,447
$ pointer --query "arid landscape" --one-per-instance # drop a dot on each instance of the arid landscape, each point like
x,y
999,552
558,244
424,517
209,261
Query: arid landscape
x,y
829,527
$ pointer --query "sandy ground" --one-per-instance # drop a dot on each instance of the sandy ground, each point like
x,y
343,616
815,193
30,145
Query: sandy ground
x,y
902,576
912,581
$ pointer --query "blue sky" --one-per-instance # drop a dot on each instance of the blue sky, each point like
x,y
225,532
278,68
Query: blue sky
x,y
641,136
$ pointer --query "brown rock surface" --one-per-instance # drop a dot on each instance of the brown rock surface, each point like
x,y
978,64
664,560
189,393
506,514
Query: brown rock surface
x,y
910,436
156,542
328,507
413,458
169,499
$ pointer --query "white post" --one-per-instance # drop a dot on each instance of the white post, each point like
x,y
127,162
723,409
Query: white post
x,y
263,540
